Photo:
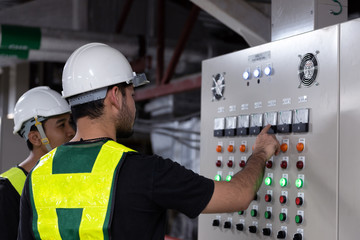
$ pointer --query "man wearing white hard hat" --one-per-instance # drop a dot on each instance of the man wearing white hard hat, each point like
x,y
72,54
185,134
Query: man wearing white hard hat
x,y
96,188
42,118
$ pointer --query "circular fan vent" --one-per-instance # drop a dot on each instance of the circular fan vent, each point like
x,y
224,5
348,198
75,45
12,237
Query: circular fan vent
x,y
218,85
308,69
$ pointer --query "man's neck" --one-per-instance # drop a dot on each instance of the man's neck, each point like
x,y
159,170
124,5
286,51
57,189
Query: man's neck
x,y
32,159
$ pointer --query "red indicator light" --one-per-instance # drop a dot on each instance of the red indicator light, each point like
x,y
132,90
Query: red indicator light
x,y
300,165
267,198
230,164
282,199
242,163
283,164
298,201
218,163
269,164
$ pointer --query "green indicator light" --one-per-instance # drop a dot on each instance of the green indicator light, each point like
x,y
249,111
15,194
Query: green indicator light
x,y
228,178
217,177
298,219
268,181
283,182
299,183
240,212
267,215
282,217
253,212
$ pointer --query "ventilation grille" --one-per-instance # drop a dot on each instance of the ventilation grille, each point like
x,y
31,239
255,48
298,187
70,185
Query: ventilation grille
x,y
308,70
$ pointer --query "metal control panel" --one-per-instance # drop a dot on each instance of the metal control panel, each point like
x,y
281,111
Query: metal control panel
x,y
297,85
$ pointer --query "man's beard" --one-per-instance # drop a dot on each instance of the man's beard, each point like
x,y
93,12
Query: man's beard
x,y
124,127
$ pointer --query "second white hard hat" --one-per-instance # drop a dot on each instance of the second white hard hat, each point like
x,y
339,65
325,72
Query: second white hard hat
x,y
38,102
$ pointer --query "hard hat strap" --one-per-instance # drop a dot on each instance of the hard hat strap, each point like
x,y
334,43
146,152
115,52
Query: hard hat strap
x,y
44,139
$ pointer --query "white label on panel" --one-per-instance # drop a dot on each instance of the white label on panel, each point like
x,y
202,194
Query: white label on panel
x,y
232,108
244,106
257,105
272,103
303,99
286,101
221,109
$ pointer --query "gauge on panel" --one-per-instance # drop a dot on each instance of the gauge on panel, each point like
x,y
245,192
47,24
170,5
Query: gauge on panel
x,y
218,86
270,118
219,126
230,126
243,125
301,120
284,121
256,123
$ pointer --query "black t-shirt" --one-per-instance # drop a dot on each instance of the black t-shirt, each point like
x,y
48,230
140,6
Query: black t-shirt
x,y
147,186
9,209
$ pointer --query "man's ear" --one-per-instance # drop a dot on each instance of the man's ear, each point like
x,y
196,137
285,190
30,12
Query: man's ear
x,y
115,97
35,138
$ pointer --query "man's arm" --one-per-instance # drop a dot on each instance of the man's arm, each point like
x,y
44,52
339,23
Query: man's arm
x,y
237,194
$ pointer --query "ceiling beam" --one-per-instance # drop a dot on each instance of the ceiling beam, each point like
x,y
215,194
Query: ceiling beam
x,y
175,86
241,17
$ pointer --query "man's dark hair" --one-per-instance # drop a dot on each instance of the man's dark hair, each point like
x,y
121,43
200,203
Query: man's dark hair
x,y
94,109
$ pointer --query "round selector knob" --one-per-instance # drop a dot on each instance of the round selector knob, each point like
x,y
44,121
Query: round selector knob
x,y
252,229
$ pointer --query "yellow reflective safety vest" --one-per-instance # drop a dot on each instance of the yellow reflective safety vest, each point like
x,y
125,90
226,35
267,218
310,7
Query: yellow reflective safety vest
x,y
17,178
75,205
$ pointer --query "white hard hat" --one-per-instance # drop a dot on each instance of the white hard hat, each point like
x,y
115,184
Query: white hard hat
x,y
95,66
38,102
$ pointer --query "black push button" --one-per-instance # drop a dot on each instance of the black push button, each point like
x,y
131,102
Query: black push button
x,y
281,235
227,224
240,227
266,231
252,229
216,223
297,236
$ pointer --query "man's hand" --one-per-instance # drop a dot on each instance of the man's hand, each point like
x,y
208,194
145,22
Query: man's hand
x,y
266,143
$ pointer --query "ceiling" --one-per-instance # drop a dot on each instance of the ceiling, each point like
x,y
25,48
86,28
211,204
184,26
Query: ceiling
x,y
134,28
